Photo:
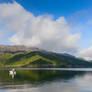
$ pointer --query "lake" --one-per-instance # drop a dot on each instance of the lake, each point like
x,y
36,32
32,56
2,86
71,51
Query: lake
x,y
46,80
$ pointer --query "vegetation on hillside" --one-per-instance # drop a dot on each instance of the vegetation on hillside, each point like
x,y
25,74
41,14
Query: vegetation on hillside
x,y
40,59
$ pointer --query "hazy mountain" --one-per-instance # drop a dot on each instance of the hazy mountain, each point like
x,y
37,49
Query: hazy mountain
x,y
15,48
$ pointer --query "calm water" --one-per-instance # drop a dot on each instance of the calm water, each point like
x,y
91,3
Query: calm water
x,y
47,80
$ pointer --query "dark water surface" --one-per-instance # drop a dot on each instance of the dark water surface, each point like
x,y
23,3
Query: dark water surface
x,y
46,80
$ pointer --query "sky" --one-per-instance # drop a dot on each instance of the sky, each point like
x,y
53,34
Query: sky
x,y
63,26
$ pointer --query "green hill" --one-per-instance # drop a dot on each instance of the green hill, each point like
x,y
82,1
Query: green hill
x,y
40,59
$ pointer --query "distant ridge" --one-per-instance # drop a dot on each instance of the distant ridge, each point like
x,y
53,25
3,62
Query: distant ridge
x,y
15,48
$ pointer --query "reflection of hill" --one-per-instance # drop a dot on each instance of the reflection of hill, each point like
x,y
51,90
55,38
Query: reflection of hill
x,y
37,76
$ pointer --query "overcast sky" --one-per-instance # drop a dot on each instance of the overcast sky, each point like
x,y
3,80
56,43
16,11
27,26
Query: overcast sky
x,y
54,25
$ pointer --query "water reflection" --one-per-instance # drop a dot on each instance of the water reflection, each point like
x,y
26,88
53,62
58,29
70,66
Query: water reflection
x,y
46,81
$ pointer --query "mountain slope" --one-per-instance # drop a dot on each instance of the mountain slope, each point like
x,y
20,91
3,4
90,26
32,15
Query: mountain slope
x,y
40,59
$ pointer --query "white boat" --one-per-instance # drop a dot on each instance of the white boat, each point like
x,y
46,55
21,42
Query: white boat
x,y
12,72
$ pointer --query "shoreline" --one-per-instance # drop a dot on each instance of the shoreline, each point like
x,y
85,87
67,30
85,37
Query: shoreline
x,y
63,69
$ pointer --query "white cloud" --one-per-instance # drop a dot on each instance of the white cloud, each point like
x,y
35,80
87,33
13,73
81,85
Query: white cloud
x,y
41,31
85,53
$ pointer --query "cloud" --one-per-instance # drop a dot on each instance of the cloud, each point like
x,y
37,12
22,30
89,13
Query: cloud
x,y
85,53
37,31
